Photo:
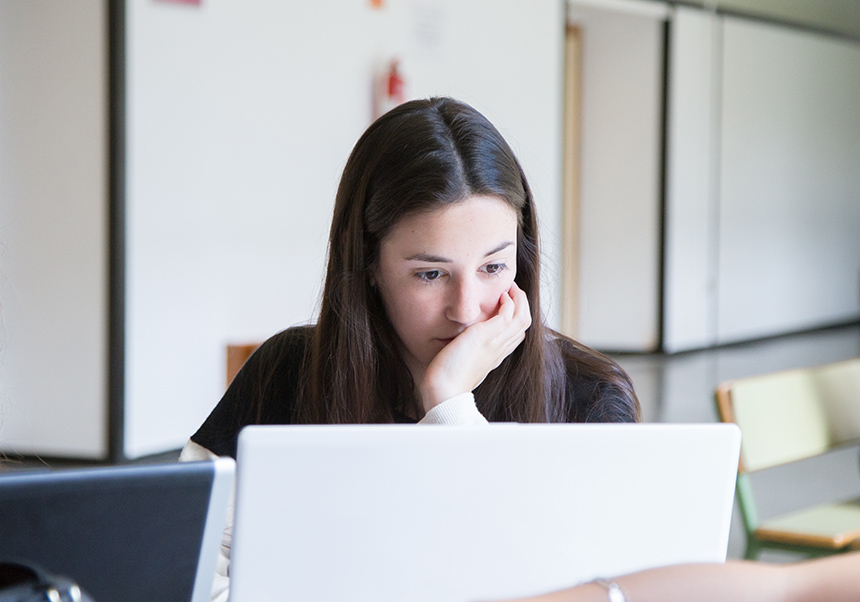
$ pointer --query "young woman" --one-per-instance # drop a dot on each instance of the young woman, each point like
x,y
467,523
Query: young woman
x,y
431,295
431,306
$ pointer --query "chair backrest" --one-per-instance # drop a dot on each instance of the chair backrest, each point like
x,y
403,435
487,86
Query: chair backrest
x,y
792,415
237,355
839,386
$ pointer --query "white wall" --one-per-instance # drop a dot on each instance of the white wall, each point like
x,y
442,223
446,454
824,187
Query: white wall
x,y
619,255
53,228
240,119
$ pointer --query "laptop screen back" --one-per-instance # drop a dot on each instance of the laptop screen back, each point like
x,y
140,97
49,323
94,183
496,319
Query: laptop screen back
x,y
392,513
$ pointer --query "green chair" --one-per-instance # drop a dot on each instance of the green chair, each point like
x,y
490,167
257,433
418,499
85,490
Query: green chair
x,y
786,417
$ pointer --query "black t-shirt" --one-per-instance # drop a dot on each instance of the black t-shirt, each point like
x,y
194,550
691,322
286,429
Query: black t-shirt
x,y
264,392
271,374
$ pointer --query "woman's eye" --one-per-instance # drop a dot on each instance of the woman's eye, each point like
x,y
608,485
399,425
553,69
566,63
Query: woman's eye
x,y
495,268
429,276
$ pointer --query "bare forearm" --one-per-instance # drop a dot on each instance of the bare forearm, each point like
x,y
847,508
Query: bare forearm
x,y
730,582
834,579
831,579
737,582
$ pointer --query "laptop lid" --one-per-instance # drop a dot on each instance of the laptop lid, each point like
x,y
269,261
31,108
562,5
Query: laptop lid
x,y
392,513
131,533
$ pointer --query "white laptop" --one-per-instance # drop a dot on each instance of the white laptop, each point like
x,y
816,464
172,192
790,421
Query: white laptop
x,y
140,533
430,513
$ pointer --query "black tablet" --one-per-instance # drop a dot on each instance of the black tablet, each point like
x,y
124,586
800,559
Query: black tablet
x,y
141,533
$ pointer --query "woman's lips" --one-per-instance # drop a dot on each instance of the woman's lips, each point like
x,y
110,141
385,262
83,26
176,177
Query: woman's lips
x,y
446,340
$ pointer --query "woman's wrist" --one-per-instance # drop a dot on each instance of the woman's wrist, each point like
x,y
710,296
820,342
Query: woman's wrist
x,y
459,410
434,394
613,590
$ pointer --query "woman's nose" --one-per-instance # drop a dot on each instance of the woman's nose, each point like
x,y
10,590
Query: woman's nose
x,y
464,306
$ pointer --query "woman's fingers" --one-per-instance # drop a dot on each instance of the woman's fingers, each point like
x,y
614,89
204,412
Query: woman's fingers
x,y
507,306
506,330
522,312
467,360
512,321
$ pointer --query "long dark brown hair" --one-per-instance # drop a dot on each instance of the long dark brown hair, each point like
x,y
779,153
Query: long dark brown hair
x,y
421,156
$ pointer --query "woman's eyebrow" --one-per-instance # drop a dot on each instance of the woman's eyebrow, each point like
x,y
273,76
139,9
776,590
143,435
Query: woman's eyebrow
x,y
501,247
428,258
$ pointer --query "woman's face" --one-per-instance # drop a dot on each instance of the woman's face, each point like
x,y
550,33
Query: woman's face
x,y
441,271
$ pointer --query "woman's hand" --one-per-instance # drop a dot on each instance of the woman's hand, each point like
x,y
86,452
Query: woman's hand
x,y
465,362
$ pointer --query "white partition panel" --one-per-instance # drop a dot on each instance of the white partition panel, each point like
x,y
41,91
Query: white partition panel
x,y
619,207
690,254
53,228
240,118
789,223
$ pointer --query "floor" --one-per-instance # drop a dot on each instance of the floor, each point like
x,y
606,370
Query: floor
x,y
680,389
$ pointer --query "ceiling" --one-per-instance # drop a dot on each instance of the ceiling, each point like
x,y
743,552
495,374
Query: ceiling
x,y
838,16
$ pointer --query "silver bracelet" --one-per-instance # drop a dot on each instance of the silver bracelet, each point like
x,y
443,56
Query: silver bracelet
x,y
612,588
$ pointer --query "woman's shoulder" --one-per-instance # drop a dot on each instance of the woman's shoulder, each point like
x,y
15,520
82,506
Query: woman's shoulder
x,y
273,370
262,392
287,342
286,346
597,389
